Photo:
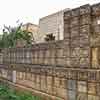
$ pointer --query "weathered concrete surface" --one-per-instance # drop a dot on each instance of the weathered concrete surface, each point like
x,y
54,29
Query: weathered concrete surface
x,y
67,69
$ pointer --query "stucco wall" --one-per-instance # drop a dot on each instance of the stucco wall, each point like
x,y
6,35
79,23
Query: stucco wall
x,y
52,24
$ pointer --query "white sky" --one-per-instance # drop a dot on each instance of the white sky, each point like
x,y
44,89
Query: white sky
x,y
32,10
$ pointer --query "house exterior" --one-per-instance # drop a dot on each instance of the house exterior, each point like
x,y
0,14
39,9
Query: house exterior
x,y
33,28
52,24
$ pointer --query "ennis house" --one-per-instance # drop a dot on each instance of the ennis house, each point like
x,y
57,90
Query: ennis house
x,y
68,69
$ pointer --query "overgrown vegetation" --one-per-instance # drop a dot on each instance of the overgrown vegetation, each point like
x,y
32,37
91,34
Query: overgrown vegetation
x,y
49,37
11,35
9,94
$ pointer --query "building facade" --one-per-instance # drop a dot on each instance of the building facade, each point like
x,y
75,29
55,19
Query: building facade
x,y
52,24
33,28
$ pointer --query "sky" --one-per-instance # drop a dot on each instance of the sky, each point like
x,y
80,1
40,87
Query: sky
x,y
25,11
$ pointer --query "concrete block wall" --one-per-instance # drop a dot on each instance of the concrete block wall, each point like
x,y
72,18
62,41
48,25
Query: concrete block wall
x,y
67,69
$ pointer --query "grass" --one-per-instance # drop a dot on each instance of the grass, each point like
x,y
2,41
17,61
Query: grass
x,y
9,94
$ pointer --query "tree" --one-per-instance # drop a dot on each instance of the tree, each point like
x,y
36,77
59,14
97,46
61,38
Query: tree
x,y
49,37
12,34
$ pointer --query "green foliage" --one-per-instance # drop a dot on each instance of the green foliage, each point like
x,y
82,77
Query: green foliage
x,y
49,37
10,94
12,34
